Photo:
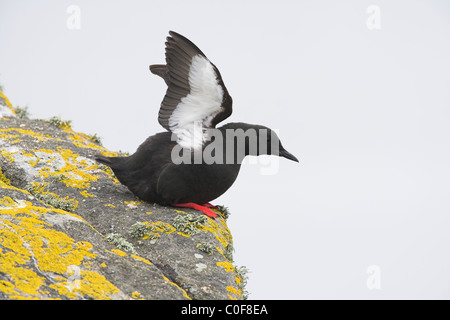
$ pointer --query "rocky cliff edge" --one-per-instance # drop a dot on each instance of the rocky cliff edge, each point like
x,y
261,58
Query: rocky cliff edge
x,y
70,230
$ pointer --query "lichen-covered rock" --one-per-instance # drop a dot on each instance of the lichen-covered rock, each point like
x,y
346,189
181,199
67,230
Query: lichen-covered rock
x,y
70,230
6,109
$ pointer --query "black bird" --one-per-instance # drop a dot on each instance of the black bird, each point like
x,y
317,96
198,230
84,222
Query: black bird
x,y
192,163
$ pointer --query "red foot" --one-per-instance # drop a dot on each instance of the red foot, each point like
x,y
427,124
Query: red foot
x,y
209,205
198,207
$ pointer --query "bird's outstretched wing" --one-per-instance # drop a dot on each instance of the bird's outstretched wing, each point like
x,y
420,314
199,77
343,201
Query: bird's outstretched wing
x,y
196,97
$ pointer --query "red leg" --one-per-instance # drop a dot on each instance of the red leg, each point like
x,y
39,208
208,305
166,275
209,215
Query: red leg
x,y
209,205
198,207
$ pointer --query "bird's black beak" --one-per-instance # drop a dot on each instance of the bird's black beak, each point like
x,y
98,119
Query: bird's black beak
x,y
285,154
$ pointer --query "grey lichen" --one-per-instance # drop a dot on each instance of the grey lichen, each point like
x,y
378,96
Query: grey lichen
x,y
37,190
241,272
140,230
22,112
123,153
63,204
228,252
120,242
223,211
58,122
189,224
95,138
206,247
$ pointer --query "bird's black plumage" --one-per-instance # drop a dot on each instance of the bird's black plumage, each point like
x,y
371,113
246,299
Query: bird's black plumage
x,y
195,102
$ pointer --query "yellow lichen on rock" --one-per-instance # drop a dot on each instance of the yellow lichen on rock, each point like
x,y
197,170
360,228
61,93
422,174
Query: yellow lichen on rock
x,y
218,227
226,265
31,250
141,259
86,194
7,103
7,136
120,253
82,140
178,287
74,170
49,171
4,179
135,295
90,284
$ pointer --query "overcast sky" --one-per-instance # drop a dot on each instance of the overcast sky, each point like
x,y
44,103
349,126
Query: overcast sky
x,y
358,90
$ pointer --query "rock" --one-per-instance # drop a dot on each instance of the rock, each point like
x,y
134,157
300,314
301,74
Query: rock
x,y
70,230
6,109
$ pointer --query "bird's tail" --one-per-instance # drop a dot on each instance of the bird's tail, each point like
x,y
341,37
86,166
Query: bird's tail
x,y
104,160
115,163
118,166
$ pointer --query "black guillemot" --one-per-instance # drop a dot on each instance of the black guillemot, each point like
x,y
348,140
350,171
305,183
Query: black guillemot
x,y
193,162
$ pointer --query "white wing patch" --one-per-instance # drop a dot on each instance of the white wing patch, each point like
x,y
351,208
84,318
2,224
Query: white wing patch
x,y
198,108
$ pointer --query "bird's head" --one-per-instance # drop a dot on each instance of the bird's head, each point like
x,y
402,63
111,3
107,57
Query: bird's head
x,y
269,143
254,140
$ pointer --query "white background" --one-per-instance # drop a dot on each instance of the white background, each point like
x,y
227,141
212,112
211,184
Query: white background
x,y
367,112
